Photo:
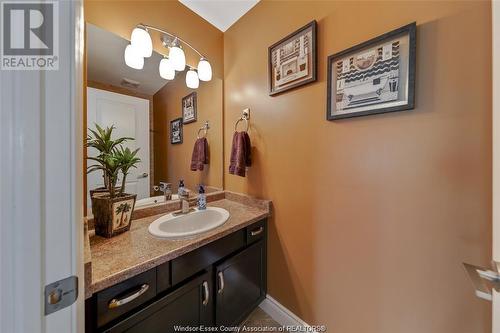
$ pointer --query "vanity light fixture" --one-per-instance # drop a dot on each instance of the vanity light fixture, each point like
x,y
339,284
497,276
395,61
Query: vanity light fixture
x,y
192,80
167,71
133,58
141,46
141,40
204,70
177,56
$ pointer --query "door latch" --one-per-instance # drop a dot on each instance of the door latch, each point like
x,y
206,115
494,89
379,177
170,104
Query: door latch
x,y
60,294
484,280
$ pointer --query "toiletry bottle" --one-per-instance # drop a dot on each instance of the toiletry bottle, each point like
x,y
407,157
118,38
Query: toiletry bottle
x,y
181,191
202,198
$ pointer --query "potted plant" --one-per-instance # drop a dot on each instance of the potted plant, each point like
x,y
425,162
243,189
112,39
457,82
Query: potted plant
x,y
113,208
100,139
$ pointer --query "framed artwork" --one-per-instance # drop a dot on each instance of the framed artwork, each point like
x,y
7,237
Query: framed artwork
x,y
189,112
292,60
376,76
176,131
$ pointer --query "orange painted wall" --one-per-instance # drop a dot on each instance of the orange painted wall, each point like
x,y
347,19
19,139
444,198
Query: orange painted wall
x,y
373,216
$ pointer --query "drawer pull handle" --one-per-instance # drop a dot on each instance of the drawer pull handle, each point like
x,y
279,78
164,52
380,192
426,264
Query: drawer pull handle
x,y
221,282
206,293
114,303
257,232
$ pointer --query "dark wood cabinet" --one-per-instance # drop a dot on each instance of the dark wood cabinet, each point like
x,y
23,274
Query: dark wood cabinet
x,y
190,263
240,285
135,291
189,305
217,284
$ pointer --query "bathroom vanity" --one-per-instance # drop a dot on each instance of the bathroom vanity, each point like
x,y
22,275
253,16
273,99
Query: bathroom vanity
x,y
140,283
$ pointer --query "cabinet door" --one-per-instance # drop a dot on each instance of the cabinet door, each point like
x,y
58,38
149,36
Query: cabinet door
x,y
189,305
240,285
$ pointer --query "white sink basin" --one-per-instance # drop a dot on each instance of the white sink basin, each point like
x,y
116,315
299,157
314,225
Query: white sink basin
x,y
153,200
196,222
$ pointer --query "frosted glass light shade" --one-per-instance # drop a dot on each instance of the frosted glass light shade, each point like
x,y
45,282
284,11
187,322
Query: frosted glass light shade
x,y
141,40
132,57
204,70
166,69
192,80
178,58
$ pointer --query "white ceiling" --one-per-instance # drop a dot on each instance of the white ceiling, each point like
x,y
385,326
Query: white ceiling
x,y
220,13
105,62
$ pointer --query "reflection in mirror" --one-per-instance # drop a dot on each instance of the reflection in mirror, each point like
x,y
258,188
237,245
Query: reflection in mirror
x,y
168,122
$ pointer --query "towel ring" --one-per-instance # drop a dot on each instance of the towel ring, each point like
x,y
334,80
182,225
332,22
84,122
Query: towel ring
x,y
245,116
204,128
238,121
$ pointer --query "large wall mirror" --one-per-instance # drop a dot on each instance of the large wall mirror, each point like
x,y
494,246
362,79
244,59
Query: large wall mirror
x,y
142,105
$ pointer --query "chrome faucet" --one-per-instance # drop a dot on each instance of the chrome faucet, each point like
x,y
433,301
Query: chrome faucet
x,y
183,194
184,207
166,188
184,202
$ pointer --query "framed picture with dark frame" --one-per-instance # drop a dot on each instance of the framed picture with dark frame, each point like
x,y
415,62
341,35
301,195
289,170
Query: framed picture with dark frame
x,y
293,60
176,131
189,111
376,76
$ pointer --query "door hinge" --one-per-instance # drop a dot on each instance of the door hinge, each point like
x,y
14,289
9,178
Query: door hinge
x,y
484,280
60,294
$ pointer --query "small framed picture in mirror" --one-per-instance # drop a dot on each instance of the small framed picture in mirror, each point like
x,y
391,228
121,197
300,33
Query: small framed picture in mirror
x,y
176,131
189,112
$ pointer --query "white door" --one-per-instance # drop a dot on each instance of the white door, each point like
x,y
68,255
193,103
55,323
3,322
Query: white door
x,y
496,155
130,116
41,213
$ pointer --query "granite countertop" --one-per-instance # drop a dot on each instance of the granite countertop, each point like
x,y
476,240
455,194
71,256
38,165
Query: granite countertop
x,y
116,259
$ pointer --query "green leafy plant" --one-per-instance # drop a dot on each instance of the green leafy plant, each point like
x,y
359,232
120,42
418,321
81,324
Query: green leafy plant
x,y
101,140
126,159
112,157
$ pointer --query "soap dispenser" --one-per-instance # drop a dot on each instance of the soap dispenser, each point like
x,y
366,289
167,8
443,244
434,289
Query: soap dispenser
x,y
181,190
202,198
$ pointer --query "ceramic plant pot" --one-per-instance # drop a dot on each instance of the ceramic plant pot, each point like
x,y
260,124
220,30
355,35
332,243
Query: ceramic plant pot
x,y
112,216
98,192
101,191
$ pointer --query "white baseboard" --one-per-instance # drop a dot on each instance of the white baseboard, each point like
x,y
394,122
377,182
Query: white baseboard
x,y
282,315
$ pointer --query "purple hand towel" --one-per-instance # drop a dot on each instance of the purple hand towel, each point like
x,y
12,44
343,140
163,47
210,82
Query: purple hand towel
x,y
240,154
200,154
